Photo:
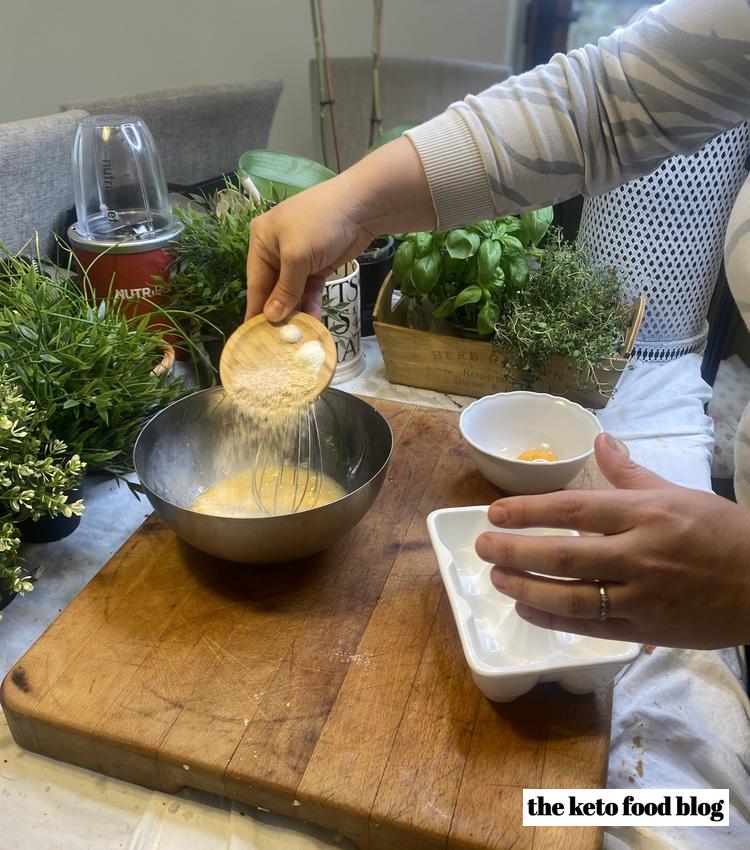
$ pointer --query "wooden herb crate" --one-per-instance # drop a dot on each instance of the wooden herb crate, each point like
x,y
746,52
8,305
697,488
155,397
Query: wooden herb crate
x,y
452,363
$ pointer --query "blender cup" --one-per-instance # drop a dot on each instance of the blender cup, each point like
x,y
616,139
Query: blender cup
x,y
124,219
119,187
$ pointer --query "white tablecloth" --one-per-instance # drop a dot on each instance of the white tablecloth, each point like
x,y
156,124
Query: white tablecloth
x,y
681,719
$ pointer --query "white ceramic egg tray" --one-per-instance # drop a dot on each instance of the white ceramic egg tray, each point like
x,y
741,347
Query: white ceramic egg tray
x,y
508,656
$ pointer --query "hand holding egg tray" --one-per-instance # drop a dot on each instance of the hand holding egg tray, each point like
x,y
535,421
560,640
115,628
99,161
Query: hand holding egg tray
x,y
507,656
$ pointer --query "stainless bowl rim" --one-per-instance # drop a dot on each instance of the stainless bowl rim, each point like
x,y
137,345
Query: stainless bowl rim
x,y
211,390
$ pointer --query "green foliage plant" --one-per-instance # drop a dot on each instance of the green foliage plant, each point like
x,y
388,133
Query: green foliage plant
x,y
12,577
208,279
36,473
86,365
277,175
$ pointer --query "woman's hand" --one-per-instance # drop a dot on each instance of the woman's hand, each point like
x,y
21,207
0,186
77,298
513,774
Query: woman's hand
x,y
297,244
675,562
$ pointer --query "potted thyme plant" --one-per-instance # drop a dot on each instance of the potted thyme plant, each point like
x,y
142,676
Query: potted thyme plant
x,y
572,311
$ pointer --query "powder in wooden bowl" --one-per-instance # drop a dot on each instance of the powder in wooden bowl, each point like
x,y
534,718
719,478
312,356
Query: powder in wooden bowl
x,y
311,356
291,333
277,387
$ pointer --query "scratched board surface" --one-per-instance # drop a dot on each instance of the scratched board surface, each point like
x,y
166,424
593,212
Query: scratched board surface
x,y
332,690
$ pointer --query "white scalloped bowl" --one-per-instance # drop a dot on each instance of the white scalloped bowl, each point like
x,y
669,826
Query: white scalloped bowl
x,y
499,427
508,656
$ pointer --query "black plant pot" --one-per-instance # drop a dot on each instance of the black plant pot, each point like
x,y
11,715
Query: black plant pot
x,y
47,529
6,597
208,369
214,347
374,265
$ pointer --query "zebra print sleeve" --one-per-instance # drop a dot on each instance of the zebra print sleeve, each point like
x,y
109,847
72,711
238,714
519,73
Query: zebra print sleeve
x,y
593,119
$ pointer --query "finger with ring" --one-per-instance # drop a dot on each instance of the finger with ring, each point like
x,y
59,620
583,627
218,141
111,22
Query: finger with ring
x,y
572,599
558,555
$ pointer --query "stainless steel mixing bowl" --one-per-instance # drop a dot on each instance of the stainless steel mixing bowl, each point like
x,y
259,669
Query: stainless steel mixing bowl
x,y
192,443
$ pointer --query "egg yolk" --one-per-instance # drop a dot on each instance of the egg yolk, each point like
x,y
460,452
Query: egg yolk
x,y
538,454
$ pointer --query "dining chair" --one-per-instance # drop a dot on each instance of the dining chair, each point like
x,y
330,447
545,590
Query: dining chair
x,y
201,131
35,180
412,90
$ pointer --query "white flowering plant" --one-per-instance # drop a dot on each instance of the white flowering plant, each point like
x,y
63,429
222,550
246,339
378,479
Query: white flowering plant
x,y
36,476
12,578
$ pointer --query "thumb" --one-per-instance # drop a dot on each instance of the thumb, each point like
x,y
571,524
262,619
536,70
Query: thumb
x,y
287,293
619,469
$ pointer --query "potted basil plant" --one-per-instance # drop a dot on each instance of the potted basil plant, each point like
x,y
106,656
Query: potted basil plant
x,y
465,275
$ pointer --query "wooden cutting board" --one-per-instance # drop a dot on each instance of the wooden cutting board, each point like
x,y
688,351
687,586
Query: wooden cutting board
x,y
333,690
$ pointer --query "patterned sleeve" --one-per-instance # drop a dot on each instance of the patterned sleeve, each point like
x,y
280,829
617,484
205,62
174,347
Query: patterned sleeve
x,y
593,119
737,264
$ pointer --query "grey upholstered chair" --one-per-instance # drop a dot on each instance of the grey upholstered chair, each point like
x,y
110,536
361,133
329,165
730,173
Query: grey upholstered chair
x,y
411,90
200,132
36,186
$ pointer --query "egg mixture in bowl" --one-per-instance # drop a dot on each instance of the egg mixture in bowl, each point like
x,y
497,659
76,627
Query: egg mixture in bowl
x,y
191,445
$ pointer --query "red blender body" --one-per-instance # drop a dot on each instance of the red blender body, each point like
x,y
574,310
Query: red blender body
x,y
124,219
136,272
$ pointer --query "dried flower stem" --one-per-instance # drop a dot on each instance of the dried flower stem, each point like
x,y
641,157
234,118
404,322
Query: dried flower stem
x,y
376,119
330,101
320,67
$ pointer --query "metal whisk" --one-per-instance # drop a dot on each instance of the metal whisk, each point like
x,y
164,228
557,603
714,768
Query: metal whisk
x,y
288,472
